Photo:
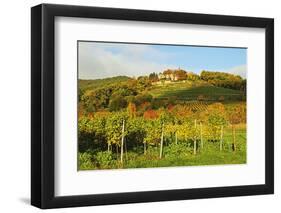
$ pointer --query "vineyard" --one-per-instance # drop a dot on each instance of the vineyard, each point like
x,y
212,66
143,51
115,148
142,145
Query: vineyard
x,y
143,130
195,91
137,110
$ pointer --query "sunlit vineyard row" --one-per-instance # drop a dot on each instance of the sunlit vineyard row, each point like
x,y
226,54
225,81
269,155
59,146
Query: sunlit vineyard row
x,y
124,139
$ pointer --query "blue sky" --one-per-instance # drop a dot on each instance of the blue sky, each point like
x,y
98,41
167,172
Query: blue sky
x,y
101,60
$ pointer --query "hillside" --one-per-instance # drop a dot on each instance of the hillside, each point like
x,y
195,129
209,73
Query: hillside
x,y
184,91
91,84
180,90
167,122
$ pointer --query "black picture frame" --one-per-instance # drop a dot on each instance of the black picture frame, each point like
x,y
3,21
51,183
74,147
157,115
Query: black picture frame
x,y
43,105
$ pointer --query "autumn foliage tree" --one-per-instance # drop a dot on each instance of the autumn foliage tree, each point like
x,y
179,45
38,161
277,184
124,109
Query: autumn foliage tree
x,y
150,114
225,80
132,110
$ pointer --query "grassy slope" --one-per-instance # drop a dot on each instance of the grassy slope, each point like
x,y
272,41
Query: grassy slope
x,y
180,90
191,92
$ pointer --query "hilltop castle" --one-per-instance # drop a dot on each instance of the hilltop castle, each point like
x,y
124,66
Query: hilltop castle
x,y
171,75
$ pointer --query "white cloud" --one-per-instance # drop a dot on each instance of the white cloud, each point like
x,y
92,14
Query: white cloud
x,y
98,60
101,60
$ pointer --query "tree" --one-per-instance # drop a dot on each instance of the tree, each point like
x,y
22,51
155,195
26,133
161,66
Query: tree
x,y
181,112
222,79
117,102
143,83
180,75
93,100
150,114
192,76
168,72
153,77
142,98
80,94
244,87
132,110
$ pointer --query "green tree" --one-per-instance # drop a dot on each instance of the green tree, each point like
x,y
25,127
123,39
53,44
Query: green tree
x,y
153,77
117,103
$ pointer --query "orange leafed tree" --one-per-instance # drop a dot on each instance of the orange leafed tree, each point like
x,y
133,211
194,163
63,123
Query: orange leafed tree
x,y
132,110
150,114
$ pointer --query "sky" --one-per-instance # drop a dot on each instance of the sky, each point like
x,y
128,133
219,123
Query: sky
x,y
98,60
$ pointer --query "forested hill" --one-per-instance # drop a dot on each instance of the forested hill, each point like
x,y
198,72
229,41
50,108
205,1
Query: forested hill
x,y
160,90
90,84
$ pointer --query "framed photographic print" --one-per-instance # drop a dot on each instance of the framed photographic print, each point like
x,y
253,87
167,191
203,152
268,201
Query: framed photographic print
x,y
139,106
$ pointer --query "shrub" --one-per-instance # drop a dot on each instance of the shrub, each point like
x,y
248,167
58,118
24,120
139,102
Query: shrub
x,y
85,161
104,159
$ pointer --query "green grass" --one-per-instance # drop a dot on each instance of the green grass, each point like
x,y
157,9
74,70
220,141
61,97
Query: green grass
x,y
174,155
185,91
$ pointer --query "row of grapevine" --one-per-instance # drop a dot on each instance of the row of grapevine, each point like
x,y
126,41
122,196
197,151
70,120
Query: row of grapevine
x,y
178,125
